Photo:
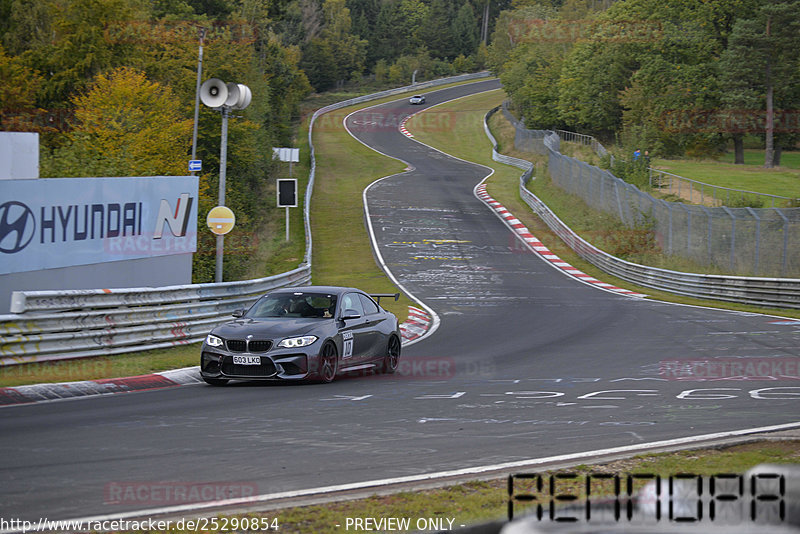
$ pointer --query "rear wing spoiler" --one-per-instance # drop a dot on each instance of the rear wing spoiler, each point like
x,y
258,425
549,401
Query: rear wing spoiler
x,y
377,296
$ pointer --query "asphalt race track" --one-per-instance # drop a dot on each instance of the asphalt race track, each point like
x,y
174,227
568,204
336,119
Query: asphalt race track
x,y
526,363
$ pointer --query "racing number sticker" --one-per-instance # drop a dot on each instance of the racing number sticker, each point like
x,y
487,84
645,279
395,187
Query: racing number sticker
x,y
347,337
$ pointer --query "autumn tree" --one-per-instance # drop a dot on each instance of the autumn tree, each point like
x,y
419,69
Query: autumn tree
x,y
18,111
126,125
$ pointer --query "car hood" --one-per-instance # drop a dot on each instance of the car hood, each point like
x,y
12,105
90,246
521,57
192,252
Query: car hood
x,y
271,328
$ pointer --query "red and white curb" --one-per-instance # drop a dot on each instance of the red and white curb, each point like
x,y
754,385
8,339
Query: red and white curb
x,y
534,244
108,386
417,324
403,128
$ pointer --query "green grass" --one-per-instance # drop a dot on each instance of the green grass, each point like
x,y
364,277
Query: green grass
x,y
781,181
467,140
789,160
476,502
119,365
273,254
342,254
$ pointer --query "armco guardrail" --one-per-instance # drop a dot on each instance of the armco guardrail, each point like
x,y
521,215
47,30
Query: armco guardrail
x,y
772,292
58,325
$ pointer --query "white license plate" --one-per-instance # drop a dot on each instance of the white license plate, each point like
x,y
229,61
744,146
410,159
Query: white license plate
x,y
247,360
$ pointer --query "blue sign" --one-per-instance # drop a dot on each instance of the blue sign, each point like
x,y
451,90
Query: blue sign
x,y
195,165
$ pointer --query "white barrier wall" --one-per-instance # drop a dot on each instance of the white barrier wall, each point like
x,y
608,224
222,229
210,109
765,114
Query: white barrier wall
x,y
19,155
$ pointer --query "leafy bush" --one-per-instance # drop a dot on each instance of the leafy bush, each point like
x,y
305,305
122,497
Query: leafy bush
x,y
745,201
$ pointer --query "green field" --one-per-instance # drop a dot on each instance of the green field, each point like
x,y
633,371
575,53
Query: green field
x,y
789,160
783,181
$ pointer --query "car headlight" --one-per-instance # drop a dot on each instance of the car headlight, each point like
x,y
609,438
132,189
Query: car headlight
x,y
295,342
214,341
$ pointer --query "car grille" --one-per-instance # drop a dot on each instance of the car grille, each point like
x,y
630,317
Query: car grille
x,y
260,346
267,368
237,345
241,345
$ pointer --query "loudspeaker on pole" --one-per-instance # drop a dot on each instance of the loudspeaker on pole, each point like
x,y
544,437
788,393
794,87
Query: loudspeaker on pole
x,y
214,93
233,94
245,96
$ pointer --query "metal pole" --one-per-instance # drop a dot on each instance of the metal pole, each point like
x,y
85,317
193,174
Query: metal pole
x,y
710,233
223,162
758,237
785,240
197,95
733,236
287,207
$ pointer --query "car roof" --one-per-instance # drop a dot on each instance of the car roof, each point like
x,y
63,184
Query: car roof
x,y
333,290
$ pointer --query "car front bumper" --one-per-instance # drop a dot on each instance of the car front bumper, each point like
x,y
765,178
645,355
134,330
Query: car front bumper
x,y
278,365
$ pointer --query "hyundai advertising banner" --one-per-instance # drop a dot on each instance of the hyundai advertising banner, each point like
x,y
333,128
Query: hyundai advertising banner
x,y
63,222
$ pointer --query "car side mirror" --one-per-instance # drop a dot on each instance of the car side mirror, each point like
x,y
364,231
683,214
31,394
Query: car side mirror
x,y
238,313
350,314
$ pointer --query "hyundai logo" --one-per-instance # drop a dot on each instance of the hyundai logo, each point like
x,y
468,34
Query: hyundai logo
x,y
17,226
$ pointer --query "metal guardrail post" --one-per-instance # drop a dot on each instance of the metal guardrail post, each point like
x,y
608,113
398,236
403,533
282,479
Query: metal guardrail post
x,y
733,236
669,231
758,236
619,201
688,228
708,238
785,240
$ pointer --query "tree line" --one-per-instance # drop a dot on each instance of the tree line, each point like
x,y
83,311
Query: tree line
x,y
678,78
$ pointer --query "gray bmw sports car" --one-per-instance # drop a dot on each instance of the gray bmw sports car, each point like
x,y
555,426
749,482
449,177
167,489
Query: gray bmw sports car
x,y
300,333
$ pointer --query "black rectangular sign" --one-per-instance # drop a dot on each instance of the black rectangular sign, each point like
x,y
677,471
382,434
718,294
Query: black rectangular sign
x,y
287,193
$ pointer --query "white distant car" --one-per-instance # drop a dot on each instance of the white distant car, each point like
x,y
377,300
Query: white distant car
x,y
417,99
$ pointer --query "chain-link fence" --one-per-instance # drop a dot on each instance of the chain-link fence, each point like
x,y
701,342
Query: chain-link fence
x,y
743,241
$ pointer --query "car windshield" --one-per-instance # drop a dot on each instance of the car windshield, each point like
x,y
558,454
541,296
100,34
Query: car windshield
x,y
298,304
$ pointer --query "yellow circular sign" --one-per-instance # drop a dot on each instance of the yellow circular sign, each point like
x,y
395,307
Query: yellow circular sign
x,y
220,220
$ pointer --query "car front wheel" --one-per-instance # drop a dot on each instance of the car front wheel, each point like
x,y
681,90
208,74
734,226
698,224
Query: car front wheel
x,y
328,363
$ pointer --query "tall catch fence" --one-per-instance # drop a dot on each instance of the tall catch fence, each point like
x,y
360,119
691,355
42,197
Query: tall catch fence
x,y
760,291
742,241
